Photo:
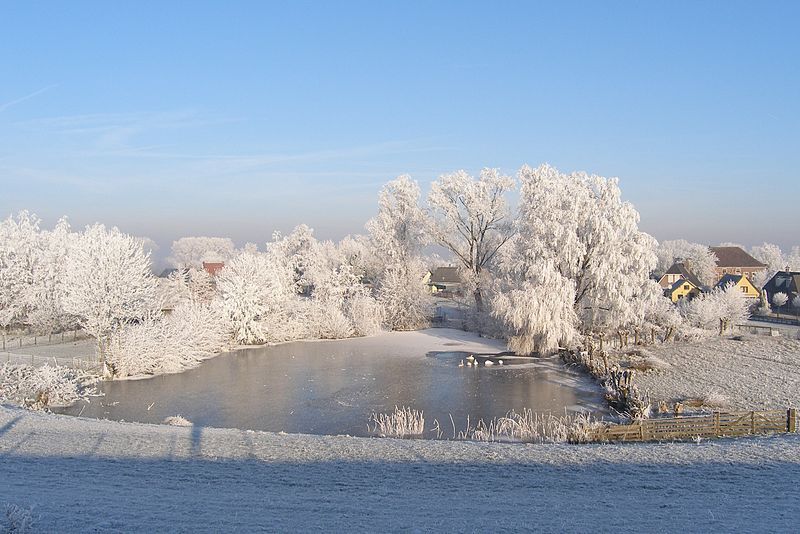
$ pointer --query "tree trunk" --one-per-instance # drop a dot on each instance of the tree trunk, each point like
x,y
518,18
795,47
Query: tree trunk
x,y
478,300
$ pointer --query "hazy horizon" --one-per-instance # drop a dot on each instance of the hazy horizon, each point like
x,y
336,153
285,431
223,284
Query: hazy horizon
x,y
236,122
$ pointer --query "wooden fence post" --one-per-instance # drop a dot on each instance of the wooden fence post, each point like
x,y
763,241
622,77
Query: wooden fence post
x,y
791,423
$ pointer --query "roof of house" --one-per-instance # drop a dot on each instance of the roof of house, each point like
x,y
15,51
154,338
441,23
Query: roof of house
x,y
730,279
784,282
445,275
735,257
679,268
679,283
213,268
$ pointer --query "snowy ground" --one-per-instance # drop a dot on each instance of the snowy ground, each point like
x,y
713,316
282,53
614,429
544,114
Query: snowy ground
x,y
88,475
756,372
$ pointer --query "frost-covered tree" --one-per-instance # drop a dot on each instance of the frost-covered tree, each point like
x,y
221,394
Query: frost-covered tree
x,y
770,254
721,308
19,254
699,259
779,300
193,251
47,312
108,283
471,218
255,290
793,259
773,257
537,304
398,236
574,232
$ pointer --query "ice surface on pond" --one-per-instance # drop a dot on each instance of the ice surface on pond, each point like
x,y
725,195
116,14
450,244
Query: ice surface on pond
x,y
332,387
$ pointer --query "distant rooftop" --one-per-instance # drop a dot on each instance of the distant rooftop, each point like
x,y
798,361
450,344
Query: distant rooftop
x,y
735,257
679,268
445,275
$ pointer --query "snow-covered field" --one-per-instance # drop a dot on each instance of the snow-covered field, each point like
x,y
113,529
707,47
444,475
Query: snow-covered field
x,y
61,353
85,475
755,372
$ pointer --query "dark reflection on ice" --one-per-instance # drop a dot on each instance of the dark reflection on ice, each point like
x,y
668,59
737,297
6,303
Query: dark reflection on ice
x,y
332,387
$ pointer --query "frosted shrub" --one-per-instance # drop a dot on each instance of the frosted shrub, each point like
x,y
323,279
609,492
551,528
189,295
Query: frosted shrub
x,y
405,298
401,423
169,344
177,420
366,315
721,309
398,234
41,387
290,324
328,320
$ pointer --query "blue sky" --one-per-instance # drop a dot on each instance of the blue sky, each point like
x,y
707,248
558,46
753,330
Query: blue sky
x,y
234,118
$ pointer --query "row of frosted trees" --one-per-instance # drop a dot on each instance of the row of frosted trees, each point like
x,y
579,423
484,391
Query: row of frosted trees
x,y
569,259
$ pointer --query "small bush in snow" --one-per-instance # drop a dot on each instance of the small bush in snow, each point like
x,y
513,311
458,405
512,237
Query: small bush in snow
x,y
169,344
366,315
41,387
177,420
19,520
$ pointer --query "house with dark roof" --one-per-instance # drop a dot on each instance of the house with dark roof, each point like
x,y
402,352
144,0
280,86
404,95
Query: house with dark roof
x,y
734,260
445,279
678,271
787,282
741,283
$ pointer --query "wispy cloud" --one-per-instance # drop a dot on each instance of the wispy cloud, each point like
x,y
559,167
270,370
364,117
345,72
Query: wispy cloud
x,y
21,99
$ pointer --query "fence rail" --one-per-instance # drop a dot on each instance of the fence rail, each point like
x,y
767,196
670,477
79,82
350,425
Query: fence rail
x,y
36,361
777,320
758,329
716,424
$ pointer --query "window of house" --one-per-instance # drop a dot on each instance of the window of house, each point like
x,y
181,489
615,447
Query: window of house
x,y
744,289
686,287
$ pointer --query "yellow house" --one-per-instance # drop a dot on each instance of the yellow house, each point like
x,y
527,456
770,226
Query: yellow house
x,y
741,283
682,289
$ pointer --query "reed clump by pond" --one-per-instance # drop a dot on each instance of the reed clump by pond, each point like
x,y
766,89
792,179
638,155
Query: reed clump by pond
x,y
518,427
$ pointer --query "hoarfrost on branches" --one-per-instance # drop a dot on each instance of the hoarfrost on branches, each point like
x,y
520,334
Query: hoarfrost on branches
x,y
780,299
169,344
108,283
587,241
471,218
19,246
253,286
193,251
398,236
42,387
722,308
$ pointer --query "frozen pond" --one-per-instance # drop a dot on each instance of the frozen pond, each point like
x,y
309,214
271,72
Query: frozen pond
x,y
332,387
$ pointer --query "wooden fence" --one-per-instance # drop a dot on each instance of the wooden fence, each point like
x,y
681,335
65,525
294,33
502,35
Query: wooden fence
x,y
717,424
89,364
758,330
